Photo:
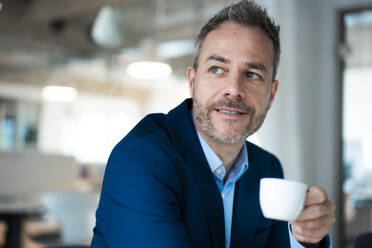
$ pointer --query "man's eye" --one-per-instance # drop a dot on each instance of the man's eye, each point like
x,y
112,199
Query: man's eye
x,y
216,70
252,75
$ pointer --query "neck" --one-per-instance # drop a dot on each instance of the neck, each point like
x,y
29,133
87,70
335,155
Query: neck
x,y
226,152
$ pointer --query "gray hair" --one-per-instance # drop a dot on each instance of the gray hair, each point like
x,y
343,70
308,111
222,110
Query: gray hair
x,y
248,13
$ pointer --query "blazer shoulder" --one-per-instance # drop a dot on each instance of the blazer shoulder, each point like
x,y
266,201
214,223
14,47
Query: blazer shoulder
x,y
150,132
147,146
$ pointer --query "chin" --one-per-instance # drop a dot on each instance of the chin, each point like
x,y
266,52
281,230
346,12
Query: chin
x,y
229,138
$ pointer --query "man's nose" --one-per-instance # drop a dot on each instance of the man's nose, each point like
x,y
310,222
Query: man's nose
x,y
233,86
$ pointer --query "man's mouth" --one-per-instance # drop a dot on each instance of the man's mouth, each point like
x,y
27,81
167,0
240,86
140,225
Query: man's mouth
x,y
230,111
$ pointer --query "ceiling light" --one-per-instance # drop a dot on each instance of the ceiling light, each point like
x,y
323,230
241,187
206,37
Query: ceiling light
x,y
175,48
149,70
108,28
59,94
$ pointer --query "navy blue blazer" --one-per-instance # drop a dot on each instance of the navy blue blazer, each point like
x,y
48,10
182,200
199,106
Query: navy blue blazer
x,y
158,191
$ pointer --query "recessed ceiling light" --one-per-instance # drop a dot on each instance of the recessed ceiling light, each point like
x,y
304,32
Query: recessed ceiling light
x,y
59,94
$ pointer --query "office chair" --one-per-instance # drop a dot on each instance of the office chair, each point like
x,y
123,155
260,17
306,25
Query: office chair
x,y
363,240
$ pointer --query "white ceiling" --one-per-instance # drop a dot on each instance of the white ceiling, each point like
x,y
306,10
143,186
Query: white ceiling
x,y
39,37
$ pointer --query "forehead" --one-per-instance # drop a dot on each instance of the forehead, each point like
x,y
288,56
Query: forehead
x,y
238,43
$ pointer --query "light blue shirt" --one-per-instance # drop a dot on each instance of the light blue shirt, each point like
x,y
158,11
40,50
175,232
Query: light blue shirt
x,y
227,190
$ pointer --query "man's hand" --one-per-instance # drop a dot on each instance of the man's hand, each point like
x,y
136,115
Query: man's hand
x,y
316,218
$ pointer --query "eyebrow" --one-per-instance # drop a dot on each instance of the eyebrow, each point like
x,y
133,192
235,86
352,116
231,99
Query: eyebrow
x,y
252,65
258,66
218,58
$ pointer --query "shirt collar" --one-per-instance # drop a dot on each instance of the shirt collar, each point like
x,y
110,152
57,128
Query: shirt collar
x,y
216,165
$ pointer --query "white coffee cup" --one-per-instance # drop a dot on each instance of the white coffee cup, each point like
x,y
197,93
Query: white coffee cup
x,y
282,199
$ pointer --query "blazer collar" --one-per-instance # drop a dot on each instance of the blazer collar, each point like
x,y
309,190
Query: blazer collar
x,y
184,137
246,204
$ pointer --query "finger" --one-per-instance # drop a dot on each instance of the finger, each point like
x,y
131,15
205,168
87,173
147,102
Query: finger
x,y
317,211
311,230
323,223
315,195
317,233
305,239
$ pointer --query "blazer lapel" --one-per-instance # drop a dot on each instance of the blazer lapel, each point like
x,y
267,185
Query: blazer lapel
x,y
246,206
184,136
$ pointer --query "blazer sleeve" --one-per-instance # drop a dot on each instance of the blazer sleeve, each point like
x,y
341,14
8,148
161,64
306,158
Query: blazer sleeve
x,y
140,201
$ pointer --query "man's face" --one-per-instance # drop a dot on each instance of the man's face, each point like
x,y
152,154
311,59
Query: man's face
x,y
232,88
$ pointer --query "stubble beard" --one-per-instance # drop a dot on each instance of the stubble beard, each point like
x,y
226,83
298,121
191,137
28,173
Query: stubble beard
x,y
203,118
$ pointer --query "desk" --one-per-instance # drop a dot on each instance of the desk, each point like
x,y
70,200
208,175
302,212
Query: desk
x,y
14,210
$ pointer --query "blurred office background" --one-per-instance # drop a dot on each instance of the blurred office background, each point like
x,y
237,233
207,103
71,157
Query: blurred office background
x,y
54,144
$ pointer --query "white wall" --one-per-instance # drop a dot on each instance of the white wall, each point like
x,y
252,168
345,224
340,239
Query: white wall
x,y
304,126
280,132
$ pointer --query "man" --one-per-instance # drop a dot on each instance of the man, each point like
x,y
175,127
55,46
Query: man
x,y
189,178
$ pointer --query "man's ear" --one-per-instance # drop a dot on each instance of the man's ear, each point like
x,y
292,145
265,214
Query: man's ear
x,y
274,89
191,72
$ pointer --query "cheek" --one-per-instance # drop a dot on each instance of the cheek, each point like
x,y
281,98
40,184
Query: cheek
x,y
205,92
258,99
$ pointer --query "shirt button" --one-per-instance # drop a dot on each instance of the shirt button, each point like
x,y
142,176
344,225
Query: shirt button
x,y
218,171
223,195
